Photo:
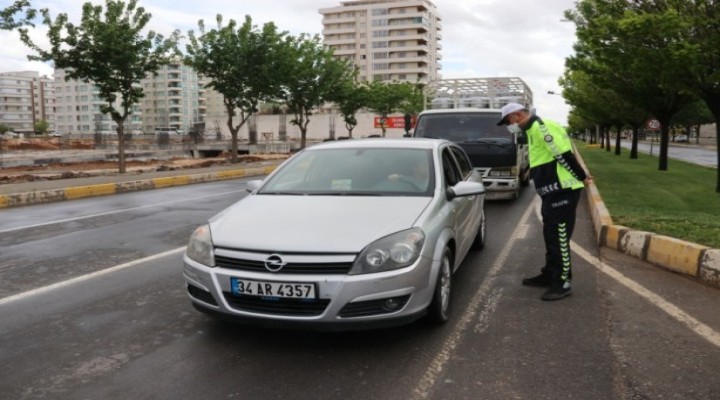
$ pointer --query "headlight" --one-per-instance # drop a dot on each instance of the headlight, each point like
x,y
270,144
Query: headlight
x,y
398,250
200,247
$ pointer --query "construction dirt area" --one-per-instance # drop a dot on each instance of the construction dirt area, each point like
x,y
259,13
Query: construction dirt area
x,y
54,171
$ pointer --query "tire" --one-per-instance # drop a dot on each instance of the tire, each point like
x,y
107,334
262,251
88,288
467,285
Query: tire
x,y
439,309
525,179
479,241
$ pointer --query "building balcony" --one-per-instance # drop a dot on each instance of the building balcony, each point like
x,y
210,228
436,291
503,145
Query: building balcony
x,y
344,52
338,31
409,36
329,20
339,42
409,70
409,59
408,47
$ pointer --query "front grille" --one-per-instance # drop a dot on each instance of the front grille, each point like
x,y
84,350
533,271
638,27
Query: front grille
x,y
276,305
373,307
290,268
201,295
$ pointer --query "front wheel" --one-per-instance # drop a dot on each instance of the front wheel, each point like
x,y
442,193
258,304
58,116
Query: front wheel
x,y
439,309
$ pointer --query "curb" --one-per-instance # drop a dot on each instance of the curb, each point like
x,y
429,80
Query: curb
x,y
80,192
676,255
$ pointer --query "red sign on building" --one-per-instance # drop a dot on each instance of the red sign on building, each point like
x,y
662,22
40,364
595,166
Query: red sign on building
x,y
395,122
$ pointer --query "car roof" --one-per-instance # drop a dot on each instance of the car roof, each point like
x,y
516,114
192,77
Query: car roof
x,y
398,143
461,110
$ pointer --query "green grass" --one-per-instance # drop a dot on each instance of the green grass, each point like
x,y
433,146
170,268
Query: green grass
x,y
680,202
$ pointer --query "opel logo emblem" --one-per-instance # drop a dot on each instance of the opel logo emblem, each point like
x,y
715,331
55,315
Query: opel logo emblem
x,y
274,263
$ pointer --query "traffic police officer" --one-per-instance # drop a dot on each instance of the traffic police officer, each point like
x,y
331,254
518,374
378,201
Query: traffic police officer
x,y
558,179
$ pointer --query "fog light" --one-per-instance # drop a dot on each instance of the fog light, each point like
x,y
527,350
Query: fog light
x,y
391,305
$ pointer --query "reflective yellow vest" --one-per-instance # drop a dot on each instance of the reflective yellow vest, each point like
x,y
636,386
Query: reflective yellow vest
x,y
547,141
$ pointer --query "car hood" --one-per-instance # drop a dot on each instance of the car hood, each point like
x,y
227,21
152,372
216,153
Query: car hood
x,y
313,223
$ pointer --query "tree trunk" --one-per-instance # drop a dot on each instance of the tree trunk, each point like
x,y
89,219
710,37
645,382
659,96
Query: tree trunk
x,y
717,149
617,140
607,139
121,145
233,137
713,102
664,136
602,137
634,147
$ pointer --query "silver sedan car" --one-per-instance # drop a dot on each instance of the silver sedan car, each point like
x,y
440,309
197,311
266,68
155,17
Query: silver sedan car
x,y
351,234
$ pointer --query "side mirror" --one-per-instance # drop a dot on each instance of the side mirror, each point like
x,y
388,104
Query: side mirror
x,y
253,185
465,189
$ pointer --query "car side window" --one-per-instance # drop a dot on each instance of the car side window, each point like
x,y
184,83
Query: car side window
x,y
463,161
450,169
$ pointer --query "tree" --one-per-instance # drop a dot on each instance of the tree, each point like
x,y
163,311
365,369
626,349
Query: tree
x,y
42,127
634,48
242,63
701,43
350,98
7,15
4,129
385,98
310,77
108,50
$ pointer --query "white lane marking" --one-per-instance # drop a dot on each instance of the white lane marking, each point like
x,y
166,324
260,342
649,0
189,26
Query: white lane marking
x,y
60,221
87,277
488,298
704,331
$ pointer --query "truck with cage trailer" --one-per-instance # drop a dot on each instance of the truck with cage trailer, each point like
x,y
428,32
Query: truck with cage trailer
x,y
466,111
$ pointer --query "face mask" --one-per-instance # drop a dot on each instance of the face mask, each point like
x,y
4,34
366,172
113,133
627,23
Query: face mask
x,y
514,128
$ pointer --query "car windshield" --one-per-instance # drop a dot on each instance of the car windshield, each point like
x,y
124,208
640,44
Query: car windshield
x,y
355,172
464,128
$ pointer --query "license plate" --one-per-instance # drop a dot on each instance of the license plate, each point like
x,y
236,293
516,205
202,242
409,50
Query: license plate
x,y
291,290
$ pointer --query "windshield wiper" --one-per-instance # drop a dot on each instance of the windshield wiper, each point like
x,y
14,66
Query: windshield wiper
x,y
491,142
284,193
343,194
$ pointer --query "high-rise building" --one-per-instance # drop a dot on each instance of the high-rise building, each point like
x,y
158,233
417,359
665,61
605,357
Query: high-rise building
x,y
388,40
174,98
78,109
26,98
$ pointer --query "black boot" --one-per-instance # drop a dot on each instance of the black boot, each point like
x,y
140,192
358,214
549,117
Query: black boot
x,y
557,291
542,280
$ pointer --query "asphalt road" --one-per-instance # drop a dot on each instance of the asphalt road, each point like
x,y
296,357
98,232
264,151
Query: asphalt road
x,y
688,153
93,306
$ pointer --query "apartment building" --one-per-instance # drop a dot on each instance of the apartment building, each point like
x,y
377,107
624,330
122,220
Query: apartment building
x,y
25,99
78,109
389,40
174,98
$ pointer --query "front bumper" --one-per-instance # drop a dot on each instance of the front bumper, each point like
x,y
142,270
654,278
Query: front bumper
x,y
343,301
501,188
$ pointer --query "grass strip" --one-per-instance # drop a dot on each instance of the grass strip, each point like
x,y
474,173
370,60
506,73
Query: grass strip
x,y
680,202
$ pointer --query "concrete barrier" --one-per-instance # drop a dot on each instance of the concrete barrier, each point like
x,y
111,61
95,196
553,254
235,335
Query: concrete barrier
x,y
79,192
673,254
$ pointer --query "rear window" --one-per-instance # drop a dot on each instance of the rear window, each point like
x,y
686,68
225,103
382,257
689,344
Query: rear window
x,y
462,127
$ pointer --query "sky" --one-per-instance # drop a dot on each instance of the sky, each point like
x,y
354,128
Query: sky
x,y
480,38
